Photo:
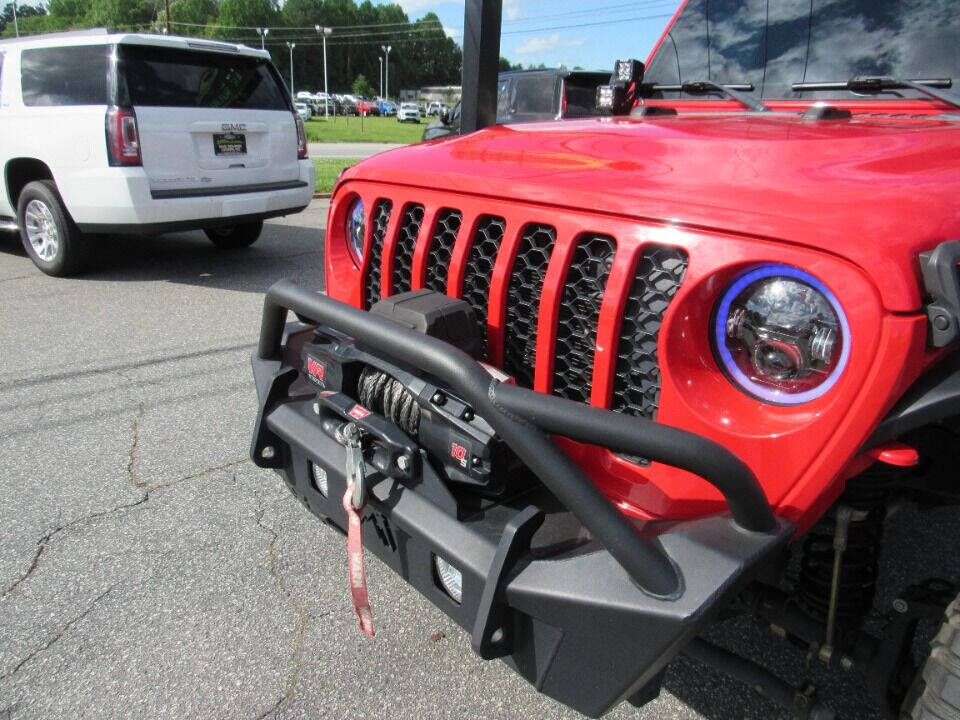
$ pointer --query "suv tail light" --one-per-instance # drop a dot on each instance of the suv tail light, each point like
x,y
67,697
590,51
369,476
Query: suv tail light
x,y
301,138
123,139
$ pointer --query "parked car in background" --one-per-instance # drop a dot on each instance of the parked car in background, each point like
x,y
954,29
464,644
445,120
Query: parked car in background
x,y
436,108
303,110
387,108
363,107
528,95
347,106
408,112
199,135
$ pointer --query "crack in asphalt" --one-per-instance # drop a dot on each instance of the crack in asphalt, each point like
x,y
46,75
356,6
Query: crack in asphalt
x,y
139,364
132,461
45,541
302,616
58,634
16,277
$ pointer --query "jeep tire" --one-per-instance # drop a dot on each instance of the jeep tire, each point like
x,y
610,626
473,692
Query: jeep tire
x,y
49,235
237,236
940,676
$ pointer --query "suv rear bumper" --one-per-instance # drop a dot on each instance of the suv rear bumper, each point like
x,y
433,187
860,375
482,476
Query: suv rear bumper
x,y
588,624
118,200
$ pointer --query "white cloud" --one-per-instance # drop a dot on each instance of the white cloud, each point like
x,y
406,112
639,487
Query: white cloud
x,y
452,32
540,44
511,9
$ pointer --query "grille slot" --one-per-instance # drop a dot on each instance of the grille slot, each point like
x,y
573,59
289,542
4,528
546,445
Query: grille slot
x,y
381,216
479,270
406,244
441,249
579,314
659,273
523,303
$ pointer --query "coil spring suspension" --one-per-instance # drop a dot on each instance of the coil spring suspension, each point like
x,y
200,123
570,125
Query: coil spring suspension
x,y
379,392
866,495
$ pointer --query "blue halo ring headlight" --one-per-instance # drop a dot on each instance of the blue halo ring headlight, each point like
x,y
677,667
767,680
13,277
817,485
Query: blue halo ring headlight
x,y
781,335
355,226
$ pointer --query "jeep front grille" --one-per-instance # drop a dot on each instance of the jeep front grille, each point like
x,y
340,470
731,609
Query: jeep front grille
x,y
381,217
406,244
441,249
579,315
660,271
523,301
544,332
479,270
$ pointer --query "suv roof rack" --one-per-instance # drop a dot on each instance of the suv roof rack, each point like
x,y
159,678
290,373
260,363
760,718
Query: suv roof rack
x,y
54,36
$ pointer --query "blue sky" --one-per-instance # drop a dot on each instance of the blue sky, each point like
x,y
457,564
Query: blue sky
x,y
591,34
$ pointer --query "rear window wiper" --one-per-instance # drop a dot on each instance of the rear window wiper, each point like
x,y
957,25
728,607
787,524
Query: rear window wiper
x,y
736,92
887,84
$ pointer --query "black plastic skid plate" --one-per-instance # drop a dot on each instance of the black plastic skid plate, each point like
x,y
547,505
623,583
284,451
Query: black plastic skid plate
x,y
579,630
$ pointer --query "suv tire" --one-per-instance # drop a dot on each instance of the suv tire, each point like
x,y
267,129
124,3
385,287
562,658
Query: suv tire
x,y
940,676
49,235
236,237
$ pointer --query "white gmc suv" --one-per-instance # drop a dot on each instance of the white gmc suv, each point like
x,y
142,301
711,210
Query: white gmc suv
x,y
122,133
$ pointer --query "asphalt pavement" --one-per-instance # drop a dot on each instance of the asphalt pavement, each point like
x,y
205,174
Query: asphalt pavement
x,y
149,570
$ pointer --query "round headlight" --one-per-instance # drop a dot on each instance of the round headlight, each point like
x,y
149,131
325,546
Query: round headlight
x,y
355,230
780,335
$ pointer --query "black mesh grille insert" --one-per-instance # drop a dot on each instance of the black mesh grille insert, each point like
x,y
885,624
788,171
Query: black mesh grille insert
x,y
406,244
479,270
441,249
579,313
659,274
523,303
381,216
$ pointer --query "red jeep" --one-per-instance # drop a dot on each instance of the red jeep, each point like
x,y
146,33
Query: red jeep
x,y
592,385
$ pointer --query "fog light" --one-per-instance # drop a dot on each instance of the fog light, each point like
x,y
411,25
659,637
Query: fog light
x,y
319,478
451,579
628,71
608,96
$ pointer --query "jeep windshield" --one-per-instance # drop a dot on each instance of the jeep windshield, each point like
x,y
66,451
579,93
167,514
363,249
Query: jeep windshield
x,y
780,46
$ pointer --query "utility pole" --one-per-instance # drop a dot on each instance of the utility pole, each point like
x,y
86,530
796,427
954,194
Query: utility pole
x,y
326,92
380,58
166,4
481,60
16,29
386,85
291,46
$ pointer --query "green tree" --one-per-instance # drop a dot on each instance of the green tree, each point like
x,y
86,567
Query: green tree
x,y
69,9
23,12
362,87
120,14
247,14
196,12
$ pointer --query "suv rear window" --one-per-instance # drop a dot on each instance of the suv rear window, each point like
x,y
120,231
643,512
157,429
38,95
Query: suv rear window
x,y
153,76
581,94
65,75
774,43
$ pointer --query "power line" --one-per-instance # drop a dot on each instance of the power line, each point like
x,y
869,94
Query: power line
x,y
416,25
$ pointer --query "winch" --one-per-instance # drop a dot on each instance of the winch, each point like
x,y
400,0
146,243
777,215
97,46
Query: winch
x,y
405,410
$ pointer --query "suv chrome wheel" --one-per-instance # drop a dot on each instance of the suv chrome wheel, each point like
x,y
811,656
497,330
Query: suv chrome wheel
x,y
41,229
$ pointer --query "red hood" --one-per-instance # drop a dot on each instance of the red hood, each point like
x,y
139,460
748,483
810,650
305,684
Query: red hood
x,y
874,190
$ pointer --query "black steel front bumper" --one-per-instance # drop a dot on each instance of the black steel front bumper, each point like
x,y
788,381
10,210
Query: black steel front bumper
x,y
584,603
